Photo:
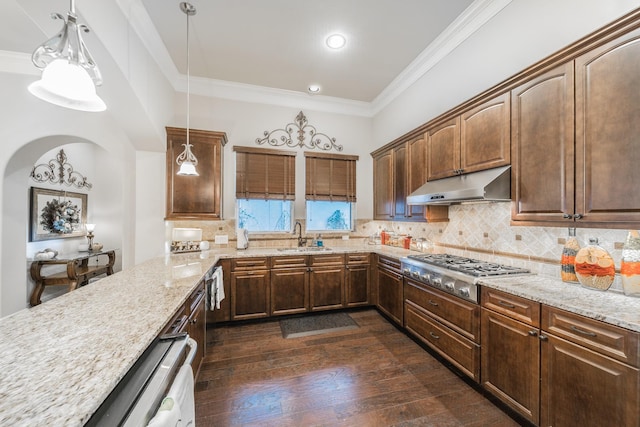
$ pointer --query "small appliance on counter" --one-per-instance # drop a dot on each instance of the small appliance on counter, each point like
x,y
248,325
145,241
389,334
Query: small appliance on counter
x,y
243,238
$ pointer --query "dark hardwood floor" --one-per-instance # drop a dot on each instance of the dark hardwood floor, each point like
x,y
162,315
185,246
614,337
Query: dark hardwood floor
x,y
371,376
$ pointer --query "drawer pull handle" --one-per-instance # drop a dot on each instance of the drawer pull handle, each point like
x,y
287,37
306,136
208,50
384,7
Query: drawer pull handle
x,y
583,332
434,336
506,304
432,302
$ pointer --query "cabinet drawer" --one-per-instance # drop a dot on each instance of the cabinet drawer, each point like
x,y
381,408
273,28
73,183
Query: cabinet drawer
x,y
463,353
249,263
517,308
461,316
389,263
178,322
196,297
618,343
358,258
289,261
328,259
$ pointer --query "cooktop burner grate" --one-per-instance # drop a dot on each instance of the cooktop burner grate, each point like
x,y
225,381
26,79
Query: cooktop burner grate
x,y
469,266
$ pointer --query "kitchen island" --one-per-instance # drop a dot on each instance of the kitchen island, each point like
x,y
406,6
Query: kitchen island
x,y
61,359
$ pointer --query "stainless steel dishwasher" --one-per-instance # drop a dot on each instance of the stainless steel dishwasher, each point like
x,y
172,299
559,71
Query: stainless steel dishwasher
x,y
138,395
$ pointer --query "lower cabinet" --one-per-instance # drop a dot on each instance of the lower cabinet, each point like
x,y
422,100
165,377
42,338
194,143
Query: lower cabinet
x,y
557,368
389,288
326,282
445,323
357,283
289,285
250,288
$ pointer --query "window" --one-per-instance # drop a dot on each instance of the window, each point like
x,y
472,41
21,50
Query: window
x,y
330,191
265,189
329,216
258,215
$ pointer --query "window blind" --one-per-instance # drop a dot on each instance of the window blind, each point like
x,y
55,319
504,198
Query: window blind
x,y
263,173
330,177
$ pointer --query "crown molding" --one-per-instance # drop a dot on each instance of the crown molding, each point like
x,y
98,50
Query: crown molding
x,y
473,18
17,63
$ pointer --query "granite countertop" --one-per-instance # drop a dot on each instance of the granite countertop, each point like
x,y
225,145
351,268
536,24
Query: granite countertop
x,y
609,306
61,359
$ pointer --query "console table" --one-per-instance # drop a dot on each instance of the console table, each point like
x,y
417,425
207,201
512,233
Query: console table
x,y
77,273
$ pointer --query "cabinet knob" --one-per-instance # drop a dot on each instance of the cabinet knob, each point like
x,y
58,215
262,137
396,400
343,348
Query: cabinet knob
x,y
567,216
543,338
577,216
434,336
432,302
533,333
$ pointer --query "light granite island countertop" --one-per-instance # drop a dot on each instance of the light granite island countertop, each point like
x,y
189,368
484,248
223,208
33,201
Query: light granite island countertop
x,y
61,359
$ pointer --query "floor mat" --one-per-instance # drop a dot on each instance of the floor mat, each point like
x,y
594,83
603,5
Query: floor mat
x,y
316,324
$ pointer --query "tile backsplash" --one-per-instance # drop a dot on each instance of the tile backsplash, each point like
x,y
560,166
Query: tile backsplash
x,y
481,230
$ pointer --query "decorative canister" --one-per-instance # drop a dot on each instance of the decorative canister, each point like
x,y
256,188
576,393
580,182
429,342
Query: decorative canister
x,y
569,252
594,266
630,264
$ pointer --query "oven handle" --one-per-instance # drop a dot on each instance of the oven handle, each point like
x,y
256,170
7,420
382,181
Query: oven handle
x,y
193,348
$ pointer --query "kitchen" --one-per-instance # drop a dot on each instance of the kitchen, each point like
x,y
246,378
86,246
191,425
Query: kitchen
x,y
135,149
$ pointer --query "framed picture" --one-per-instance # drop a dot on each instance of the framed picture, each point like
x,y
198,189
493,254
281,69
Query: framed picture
x,y
57,214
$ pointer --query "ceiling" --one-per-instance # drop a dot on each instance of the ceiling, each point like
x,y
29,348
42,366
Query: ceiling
x,y
275,47
280,43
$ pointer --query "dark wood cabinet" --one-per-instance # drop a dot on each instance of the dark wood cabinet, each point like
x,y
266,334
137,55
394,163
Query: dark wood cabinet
x,y
448,325
478,139
389,288
195,197
250,288
289,291
397,172
357,283
542,145
607,129
326,281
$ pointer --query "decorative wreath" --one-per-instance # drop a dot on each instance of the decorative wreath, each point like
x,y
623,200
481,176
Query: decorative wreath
x,y
60,216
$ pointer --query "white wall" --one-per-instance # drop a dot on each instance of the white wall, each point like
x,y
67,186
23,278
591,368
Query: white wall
x,y
523,33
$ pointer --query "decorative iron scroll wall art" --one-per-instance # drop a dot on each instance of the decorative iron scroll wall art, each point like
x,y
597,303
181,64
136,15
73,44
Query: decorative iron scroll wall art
x,y
59,171
284,137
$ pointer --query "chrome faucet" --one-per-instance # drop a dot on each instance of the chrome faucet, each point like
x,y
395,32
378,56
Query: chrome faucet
x,y
301,240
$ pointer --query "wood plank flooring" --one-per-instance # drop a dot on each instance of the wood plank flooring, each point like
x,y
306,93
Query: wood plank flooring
x,y
371,376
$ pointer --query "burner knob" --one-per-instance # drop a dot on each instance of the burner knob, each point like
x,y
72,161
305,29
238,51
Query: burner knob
x,y
406,271
449,286
425,277
415,274
437,282
465,292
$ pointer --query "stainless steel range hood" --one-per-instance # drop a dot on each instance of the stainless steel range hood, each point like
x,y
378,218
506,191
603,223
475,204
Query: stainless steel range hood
x,y
493,185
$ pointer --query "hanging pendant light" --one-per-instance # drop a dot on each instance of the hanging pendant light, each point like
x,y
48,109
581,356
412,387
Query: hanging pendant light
x,y
186,160
69,73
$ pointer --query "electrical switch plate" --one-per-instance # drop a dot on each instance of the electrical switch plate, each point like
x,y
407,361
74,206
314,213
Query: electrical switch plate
x,y
345,237
221,239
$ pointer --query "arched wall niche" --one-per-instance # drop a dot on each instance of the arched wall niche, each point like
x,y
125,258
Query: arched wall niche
x,y
105,209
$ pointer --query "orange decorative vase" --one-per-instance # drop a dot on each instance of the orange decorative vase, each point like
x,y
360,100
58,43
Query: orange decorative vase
x,y
630,265
569,252
594,267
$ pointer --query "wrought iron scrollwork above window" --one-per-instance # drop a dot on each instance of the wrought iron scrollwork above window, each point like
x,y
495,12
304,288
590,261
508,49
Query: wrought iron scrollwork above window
x,y
59,171
285,136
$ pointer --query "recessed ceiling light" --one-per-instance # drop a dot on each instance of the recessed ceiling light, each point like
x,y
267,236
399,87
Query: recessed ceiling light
x,y
313,89
336,41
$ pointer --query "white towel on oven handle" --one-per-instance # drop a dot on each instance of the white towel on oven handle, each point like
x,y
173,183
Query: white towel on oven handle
x,y
216,290
178,408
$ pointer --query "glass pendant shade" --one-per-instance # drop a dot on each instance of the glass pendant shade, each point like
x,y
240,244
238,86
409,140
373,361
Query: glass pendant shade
x,y
70,75
188,168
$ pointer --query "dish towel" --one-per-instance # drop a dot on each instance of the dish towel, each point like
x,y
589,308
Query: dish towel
x,y
178,408
216,291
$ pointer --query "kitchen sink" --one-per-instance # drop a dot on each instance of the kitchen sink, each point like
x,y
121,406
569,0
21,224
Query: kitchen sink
x,y
305,249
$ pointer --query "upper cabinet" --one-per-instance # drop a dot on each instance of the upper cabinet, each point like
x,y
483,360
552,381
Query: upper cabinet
x,y
195,197
590,180
397,172
477,139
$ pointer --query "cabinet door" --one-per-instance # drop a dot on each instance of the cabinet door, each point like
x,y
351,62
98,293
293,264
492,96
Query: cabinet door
x,y
289,291
383,200
443,150
583,388
326,285
417,173
485,135
542,145
196,328
400,184
390,294
607,129
357,285
195,197
249,294
511,363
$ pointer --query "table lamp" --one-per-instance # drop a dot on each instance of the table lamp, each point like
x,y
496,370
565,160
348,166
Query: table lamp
x,y
90,228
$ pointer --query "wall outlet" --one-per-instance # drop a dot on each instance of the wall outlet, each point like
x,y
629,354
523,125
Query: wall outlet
x,y
221,239
345,237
